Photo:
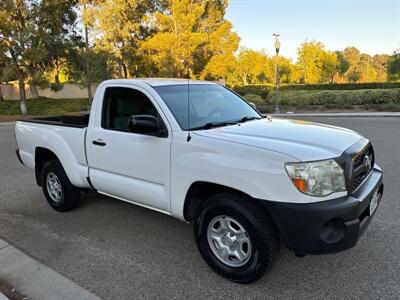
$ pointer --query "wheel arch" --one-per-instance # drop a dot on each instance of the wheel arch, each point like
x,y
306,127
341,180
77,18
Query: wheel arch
x,y
202,190
42,155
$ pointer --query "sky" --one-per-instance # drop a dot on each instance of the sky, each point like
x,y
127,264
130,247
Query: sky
x,y
373,26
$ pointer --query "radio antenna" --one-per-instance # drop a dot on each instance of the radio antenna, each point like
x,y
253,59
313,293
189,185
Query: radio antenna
x,y
189,137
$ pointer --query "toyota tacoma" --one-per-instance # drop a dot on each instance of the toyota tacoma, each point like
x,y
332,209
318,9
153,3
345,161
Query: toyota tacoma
x,y
197,151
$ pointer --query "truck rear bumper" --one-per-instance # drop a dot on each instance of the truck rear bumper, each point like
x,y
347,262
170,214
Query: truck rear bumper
x,y
19,156
327,226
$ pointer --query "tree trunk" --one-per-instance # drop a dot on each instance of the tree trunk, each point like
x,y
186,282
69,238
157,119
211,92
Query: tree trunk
x,y
89,89
1,94
22,95
57,76
87,63
125,70
34,91
119,70
32,86
21,82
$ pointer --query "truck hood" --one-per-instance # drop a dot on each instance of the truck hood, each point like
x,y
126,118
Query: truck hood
x,y
302,140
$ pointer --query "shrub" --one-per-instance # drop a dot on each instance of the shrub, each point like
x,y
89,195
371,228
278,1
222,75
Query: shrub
x,y
256,99
266,88
260,90
338,98
56,87
45,106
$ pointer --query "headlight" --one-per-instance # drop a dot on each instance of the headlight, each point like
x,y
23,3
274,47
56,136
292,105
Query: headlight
x,y
319,178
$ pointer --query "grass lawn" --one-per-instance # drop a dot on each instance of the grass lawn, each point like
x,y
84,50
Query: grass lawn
x,y
45,106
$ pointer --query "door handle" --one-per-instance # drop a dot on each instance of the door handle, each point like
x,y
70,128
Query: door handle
x,y
99,142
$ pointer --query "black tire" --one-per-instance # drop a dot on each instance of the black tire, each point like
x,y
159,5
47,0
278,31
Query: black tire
x,y
71,195
261,231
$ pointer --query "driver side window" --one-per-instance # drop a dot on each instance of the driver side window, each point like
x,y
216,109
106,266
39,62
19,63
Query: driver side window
x,y
120,104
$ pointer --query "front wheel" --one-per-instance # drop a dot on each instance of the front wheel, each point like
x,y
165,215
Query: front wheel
x,y
58,190
236,239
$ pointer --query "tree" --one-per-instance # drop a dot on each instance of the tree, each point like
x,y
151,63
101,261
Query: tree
x,y
379,62
329,67
80,57
366,69
361,66
96,62
352,55
393,66
119,26
311,59
342,66
252,67
53,32
288,72
7,72
33,33
191,37
13,35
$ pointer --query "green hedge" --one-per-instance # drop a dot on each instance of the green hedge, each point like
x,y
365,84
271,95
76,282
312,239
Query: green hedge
x,y
376,100
260,90
45,106
343,86
337,98
264,89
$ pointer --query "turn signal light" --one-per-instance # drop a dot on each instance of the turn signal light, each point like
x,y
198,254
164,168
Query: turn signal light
x,y
301,184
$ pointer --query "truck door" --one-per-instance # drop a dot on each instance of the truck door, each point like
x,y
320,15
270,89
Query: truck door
x,y
130,166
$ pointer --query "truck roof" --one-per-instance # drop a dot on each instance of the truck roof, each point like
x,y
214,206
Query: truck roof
x,y
160,81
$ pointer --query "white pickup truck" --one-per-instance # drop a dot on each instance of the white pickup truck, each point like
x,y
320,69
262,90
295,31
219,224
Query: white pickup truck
x,y
199,152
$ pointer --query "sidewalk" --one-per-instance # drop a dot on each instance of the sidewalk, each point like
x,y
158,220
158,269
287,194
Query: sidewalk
x,y
2,297
35,280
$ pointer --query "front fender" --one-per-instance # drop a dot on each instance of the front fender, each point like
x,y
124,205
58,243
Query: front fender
x,y
256,172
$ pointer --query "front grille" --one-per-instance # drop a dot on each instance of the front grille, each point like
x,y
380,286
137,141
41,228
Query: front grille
x,y
363,163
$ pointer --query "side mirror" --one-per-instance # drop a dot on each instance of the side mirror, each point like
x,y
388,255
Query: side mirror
x,y
145,124
253,105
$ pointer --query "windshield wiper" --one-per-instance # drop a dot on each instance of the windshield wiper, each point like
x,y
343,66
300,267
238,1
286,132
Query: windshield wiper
x,y
213,124
248,118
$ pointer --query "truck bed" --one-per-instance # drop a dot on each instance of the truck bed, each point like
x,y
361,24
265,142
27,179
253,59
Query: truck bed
x,y
80,120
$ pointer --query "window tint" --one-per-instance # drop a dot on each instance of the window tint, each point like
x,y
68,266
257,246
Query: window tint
x,y
120,104
207,103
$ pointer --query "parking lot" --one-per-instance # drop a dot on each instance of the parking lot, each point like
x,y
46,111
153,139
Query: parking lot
x,y
120,251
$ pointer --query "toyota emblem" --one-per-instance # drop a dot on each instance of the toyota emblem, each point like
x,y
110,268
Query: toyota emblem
x,y
367,163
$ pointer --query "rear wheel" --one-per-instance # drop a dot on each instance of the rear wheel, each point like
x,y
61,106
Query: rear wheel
x,y
58,190
235,237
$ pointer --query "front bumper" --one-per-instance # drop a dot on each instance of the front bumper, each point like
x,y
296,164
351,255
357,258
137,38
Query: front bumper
x,y
327,226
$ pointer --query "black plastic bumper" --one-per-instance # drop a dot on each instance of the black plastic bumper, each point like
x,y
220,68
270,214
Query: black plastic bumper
x,y
327,226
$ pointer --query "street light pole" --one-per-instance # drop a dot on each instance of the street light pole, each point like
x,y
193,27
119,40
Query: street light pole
x,y
277,47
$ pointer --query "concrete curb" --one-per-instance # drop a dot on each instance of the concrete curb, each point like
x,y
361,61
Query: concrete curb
x,y
35,280
360,114
7,123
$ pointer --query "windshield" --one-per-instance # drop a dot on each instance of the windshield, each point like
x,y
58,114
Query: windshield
x,y
209,104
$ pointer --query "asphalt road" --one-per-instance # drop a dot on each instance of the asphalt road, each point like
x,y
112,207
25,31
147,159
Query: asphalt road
x,y
121,251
